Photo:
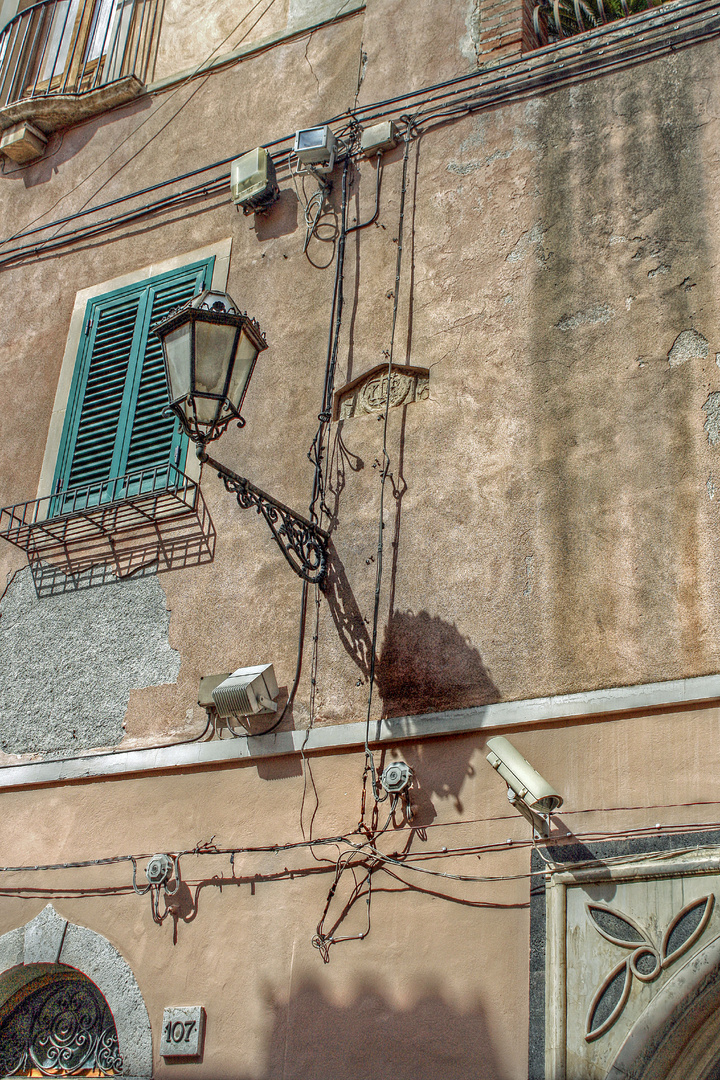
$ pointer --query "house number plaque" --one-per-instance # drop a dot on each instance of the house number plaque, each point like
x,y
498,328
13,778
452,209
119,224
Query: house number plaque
x,y
182,1031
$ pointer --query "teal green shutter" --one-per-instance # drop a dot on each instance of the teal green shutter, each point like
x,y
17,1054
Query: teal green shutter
x,y
114,424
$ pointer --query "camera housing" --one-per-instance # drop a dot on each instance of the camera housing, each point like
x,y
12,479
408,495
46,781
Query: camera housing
x,y
525,782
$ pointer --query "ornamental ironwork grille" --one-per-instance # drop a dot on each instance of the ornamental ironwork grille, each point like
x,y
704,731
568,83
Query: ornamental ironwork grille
x,y
58,1025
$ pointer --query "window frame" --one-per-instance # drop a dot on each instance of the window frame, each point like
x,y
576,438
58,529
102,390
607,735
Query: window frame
x,y
74,346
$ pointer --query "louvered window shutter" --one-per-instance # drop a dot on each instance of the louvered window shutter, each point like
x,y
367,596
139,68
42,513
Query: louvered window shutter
x,y
116,441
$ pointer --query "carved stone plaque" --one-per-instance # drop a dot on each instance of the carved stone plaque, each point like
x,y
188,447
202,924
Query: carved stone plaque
x,y
369,392
626,942
183,1031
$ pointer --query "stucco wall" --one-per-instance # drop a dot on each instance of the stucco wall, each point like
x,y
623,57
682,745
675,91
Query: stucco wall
x,y
554,513
440,984
69,662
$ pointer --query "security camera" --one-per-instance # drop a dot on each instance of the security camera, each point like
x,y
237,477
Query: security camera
x,y
527,790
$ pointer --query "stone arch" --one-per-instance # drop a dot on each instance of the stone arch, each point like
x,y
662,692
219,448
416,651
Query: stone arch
x,y
677,1037
48,939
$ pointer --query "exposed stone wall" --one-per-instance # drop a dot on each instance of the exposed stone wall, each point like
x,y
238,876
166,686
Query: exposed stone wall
x,y
68,663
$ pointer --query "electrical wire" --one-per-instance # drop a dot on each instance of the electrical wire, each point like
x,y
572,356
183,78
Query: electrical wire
x,y
543,70
153,115
315,454
369,756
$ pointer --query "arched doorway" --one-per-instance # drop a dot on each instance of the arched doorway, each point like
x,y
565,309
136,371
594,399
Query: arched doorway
x,y
58,1024
92,979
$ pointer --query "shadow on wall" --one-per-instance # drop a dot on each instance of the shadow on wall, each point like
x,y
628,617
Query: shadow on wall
x,y
426,665
368,1038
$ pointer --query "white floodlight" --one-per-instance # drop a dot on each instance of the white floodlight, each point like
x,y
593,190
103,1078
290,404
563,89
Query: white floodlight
x,y
315,148
246,692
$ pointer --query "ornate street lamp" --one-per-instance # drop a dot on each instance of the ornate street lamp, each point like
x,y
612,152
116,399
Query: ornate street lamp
x,y
210,349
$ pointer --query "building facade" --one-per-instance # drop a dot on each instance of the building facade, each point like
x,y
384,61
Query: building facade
x,y
492,387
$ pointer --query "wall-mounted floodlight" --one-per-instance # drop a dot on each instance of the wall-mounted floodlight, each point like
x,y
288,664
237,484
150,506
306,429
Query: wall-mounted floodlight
x,y
315,149
253,183
530,794
247,691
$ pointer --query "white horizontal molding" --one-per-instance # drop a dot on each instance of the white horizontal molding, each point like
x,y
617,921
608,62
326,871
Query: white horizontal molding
x,y
590,705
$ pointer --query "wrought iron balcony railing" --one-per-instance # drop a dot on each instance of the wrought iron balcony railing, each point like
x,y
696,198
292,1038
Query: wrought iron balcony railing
x,y
60,47
556,19
156,517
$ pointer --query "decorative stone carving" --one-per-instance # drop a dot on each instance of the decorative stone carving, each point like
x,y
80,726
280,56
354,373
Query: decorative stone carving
x,y
648,959
369,392
619,937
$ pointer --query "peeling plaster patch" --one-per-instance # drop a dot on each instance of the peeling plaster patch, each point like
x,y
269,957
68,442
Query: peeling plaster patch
x,y
661,269
528,241
710,485
712,424
628,302
618,240
461,168
68,663
477,138
532,112
470,42
529,574
688,345
500,155
717,358
598,313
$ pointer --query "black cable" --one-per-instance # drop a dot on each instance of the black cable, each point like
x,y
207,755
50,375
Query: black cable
x,y
370,221
543,79
369,757
198,71
315,453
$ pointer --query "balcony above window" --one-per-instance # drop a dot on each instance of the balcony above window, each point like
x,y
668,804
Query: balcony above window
x,y
62,61
554,20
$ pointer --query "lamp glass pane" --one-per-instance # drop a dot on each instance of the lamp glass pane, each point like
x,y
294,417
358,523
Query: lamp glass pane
x,y
178,345
246,353
213,356
207,410
311,138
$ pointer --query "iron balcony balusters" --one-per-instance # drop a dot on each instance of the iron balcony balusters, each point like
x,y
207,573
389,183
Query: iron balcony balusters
x,y
554,20
74,47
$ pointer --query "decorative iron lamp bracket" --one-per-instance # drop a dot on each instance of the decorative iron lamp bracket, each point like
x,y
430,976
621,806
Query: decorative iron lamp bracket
x,y
304,544
209,350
